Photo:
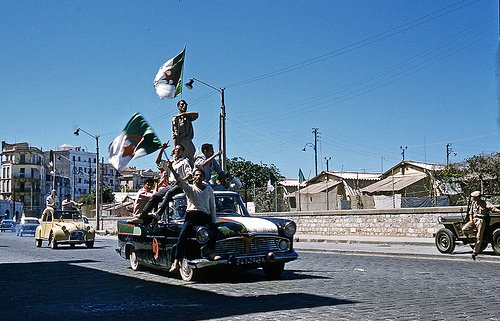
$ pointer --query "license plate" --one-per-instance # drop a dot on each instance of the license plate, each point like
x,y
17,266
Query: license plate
x,y
76,236
250,260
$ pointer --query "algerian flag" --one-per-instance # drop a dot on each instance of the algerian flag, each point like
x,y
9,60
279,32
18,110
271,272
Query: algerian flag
x,y
301,177
136,140
168,80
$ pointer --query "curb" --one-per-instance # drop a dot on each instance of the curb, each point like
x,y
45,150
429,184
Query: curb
x,y
304,239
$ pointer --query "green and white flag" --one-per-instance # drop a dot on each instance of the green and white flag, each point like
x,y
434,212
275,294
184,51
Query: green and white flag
x,y
301,177
168,80
136,140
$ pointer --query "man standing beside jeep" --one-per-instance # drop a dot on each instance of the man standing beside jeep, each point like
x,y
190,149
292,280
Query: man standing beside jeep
x,y
478,214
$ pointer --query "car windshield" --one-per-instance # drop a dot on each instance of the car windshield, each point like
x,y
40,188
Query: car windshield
x,y
68,215
225,205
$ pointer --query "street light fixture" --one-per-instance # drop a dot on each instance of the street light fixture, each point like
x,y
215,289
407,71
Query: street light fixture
x,y
315,147
222,119
97,176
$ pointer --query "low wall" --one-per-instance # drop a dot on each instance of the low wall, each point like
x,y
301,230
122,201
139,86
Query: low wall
x,y
408,222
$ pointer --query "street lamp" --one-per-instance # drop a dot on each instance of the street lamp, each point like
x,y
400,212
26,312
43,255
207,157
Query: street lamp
x,y
222,119
315,147
97,176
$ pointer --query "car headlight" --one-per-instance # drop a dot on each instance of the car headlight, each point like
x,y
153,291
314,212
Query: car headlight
x,y
202,235
289,229
283,245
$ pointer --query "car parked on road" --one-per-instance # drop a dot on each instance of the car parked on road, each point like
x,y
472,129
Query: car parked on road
x,y
242,242
64,227
446,237
8,225
28,225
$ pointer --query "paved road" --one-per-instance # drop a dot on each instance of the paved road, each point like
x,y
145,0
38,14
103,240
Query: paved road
x,y
81,283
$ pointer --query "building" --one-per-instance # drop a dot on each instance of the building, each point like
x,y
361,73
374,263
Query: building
x,y
410,184
75,171
331,190
22,178
131,178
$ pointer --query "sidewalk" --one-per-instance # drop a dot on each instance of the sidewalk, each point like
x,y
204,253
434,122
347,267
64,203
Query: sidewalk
x,y
386,245
352,239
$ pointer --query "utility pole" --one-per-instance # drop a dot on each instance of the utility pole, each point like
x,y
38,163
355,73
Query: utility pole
x,y
315,132
403,151
327,159
449,150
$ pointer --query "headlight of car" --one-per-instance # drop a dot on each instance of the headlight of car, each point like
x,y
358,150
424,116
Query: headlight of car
x,y
283,245
202,235
289,229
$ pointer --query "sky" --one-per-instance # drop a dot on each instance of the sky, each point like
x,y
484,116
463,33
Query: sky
x,y
375,77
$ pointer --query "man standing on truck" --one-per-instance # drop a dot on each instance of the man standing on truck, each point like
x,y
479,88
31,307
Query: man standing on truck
x,y
478,214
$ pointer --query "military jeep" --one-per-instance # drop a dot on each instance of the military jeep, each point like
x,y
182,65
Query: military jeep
x,y
447,236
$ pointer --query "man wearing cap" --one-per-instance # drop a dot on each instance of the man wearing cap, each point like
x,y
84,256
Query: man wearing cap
x,y
479,211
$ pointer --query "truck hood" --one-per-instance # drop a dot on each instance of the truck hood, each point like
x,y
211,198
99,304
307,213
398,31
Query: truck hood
x,y
71,226
236,226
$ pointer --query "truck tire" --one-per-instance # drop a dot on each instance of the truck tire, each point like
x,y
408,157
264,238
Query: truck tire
x,y
445,241
495,241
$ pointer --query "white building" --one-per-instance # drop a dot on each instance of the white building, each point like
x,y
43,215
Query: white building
x,y
22,176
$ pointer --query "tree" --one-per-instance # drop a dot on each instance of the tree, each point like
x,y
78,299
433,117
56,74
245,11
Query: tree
x,y
479,172
255,178
107,196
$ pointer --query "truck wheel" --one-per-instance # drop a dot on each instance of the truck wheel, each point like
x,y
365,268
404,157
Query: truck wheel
x,y
273,270
134,262
187,273
445,241
495,241
89,244
52,242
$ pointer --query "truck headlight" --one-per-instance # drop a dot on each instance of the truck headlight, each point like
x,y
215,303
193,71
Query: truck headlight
x,y
283,245
289,229
202,235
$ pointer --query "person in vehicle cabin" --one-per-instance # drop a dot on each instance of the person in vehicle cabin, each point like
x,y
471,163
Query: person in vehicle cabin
x,y
69,205
478,214
52,200
180,165
143,197
207,162
157,196
200,211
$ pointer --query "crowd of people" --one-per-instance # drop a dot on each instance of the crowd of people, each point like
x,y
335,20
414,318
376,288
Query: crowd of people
x,y
152,202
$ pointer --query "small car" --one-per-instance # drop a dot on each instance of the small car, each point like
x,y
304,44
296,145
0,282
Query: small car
x,y
64,227
242,242
8,225
446,237
28,225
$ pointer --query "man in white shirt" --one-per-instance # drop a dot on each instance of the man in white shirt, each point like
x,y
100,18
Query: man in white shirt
x,y
52,200
200,211
68,204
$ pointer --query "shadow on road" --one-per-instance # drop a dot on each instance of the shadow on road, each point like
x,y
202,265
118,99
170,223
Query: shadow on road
x,y
65,291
